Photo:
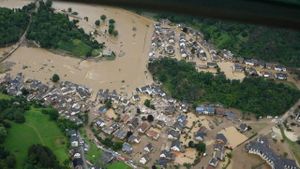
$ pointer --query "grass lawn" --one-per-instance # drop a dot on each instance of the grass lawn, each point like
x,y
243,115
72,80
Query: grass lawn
x,y
4,96
76,47
94,153
37,129
118,165
294,147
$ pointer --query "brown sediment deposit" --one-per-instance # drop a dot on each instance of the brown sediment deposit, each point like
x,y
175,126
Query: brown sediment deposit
x,y
123,74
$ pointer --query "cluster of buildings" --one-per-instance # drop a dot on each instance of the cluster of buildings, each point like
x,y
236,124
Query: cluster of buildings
x,y
219,150
136,122
77,148
166,40
186,43
254,67
68,98
261,147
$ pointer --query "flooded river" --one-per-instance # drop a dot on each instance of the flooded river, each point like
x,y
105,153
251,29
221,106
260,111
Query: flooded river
x,y
125,73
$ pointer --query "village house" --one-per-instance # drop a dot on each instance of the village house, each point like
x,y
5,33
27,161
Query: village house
x,y
148,148
281,76
100,123
166,154
205,110
280,68
127,148
144,159
238,68
110,129
153,134
200,134
220,138
176,146
74,141
134,139
144,127
243,127
297,117
213,162
121,133
261,147
134,123
173,134
212,65
77,163
266,74
269,66
107,157
250,71
250,62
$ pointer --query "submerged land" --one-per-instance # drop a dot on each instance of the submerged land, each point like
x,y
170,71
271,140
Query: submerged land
x,y
108,88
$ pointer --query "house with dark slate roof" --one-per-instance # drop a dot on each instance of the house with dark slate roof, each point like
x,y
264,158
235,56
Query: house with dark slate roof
x,y
261,148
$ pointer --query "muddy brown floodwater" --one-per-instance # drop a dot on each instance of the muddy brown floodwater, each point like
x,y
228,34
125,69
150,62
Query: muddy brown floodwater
x,y
124,74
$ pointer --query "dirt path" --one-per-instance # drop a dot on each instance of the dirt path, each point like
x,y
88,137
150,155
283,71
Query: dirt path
x,y
37,132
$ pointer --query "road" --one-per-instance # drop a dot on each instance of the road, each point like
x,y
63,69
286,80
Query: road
x,y
266,130
85,166
21,40
116,154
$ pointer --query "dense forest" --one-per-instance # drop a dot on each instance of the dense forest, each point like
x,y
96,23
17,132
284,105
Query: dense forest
x,y
257,95
54,30
249,41
12,25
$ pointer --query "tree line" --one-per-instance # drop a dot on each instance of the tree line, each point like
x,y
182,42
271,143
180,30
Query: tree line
x,y
56,31
257,95
13,23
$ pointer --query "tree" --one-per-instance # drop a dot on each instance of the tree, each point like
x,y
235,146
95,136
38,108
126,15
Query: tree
x,y
191,144
3,133
147,103
201,147
88,54
103,17
108,104
97,22
55,78
112,21
53,113
19,117
48,4
115,33
24,91
13,25
11,161
150,118
154,167
69,9
42,157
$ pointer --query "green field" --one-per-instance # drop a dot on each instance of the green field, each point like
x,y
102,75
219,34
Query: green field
x,y
4,96
37,129
76,47
118,165
294,147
